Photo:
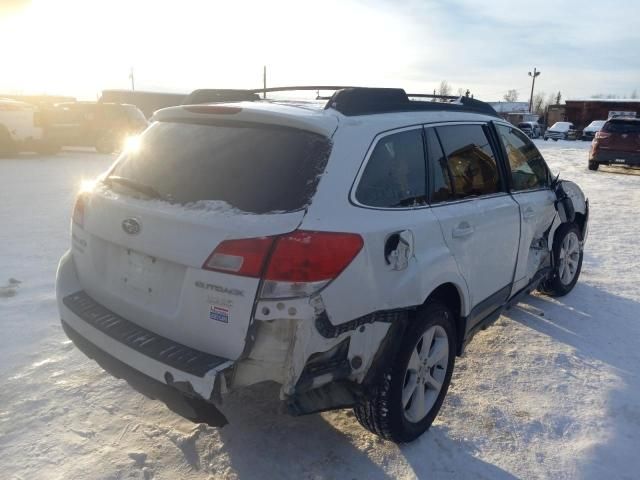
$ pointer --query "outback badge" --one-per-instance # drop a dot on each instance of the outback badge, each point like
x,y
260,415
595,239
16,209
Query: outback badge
x,y
131,226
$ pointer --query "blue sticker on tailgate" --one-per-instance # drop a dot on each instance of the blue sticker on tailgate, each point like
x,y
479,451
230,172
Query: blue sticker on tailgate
x,y
219,314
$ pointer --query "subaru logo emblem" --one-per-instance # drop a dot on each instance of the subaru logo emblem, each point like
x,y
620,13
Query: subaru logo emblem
x,y
131,226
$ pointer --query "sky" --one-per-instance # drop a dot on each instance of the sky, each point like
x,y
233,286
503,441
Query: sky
x,y
80,47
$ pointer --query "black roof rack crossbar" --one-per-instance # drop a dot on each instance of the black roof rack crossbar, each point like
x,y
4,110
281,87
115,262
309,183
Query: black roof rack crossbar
x,y
353,101
298,88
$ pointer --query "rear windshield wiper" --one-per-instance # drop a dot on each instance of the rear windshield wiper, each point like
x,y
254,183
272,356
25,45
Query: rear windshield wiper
x,y
131,184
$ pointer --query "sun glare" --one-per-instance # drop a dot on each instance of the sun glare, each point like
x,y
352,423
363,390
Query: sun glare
x,y
87,185
132,144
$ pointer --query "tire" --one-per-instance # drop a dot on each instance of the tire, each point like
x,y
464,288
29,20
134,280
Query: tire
x,y
562,281
545,139
8,146
593,166
554,139
48,147
383,412
106,144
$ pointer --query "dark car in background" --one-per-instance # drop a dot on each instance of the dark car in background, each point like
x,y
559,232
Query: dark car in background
x,y
532,129
104,126
592,129
618,143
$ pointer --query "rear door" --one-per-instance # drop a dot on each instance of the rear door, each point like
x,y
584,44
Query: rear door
x,y
530,187
480,222
143,257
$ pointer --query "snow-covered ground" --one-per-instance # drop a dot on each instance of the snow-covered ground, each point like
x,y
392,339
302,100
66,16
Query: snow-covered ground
x,y
552,390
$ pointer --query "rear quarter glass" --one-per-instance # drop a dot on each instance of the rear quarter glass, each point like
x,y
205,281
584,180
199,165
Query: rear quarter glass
x,y
254,168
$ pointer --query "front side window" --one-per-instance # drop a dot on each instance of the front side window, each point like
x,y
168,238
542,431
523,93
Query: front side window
x,y
471,160
395,175
528,170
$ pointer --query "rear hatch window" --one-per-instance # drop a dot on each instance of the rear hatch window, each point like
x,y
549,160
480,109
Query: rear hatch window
x,y
252,167
622,126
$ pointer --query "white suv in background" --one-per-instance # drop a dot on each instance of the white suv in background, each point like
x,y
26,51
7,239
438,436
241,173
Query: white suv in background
x,y
347,252
21,129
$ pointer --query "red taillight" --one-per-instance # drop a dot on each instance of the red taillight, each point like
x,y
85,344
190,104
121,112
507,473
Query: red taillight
x,y
78,210
600,135
244,257
299,264
304,256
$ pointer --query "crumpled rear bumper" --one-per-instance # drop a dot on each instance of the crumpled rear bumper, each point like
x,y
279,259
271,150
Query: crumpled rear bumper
x,y
101,331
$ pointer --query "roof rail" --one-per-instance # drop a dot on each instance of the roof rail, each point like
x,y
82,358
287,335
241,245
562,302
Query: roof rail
x,y
367,101
215,95
353,101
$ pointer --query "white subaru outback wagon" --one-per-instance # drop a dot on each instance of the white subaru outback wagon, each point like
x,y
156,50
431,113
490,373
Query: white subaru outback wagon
x,y
346,251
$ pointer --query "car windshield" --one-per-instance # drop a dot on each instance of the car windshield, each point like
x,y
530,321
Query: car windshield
x,y
254,168
622,126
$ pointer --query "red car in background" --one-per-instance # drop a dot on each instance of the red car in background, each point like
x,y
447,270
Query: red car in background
x,y
618,143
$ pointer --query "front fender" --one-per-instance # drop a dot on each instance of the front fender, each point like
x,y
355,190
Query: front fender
x,y
580,205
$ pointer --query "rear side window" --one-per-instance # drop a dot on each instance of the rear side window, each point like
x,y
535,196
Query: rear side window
x,y
528,169
254,168
622,126
395,175
471,160
441,187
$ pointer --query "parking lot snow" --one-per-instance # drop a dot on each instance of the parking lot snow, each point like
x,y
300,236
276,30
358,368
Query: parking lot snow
x,y
551,390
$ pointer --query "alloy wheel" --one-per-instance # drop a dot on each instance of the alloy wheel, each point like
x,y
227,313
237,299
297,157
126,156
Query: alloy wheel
x,y
425,373
569,258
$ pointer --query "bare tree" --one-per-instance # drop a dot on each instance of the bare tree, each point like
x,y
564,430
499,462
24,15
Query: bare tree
x,y
511,96
445,89
558,97
634,94
539,103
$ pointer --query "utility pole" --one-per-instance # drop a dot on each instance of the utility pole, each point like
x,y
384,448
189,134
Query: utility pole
x,y
133,82
533,83
264,82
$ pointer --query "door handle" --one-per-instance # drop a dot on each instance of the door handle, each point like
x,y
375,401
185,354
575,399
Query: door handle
x,y
528,213
463,229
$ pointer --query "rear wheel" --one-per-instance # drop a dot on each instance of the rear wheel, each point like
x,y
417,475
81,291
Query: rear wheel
x,y
409,393
593,165
106,143
567,254
48,147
